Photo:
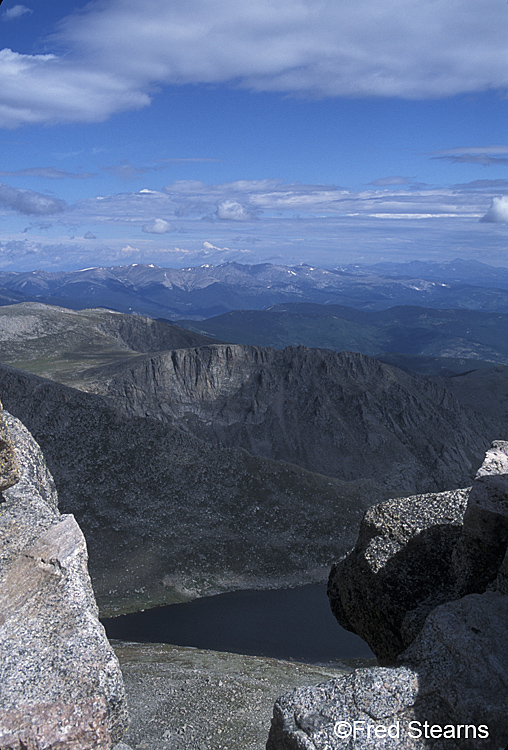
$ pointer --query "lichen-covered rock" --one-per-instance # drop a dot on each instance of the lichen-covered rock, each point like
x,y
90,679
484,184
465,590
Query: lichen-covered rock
x,y
59,672
400,568
461,655
9,469
346,712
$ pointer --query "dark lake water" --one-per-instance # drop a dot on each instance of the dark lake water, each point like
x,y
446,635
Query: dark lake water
x,y
284,624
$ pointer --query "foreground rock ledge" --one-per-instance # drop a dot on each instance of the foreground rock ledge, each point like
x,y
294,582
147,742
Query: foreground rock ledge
x,y
428,578
61,685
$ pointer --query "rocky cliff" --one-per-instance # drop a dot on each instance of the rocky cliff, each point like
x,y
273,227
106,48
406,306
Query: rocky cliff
x,y
61,685
340,414
426,585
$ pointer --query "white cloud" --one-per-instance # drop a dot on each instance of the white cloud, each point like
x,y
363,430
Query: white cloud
x,y
273,202
128,251
233,211
45,88
118,52
10,14
29,202
158,226
498,211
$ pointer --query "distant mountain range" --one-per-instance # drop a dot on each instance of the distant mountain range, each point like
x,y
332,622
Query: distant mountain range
x,y
456,271
205,291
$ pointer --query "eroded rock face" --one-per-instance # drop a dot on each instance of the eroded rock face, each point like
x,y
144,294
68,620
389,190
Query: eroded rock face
x,y
339,414
61,682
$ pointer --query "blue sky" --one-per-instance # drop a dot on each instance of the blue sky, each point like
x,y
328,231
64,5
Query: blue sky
x,y
283,131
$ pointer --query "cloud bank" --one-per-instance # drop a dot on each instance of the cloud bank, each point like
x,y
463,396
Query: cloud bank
x,y
117,51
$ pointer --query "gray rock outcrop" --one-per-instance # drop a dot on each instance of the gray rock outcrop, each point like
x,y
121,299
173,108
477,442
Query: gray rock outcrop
x,y
428,578
61,685
415,553
401,567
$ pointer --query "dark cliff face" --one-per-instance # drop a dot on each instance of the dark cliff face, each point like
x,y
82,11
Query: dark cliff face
x,y
340,414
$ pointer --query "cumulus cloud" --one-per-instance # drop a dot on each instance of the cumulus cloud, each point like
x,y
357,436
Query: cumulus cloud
x,y
498,211
158,226
117,53
233,211
10,14
29,202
